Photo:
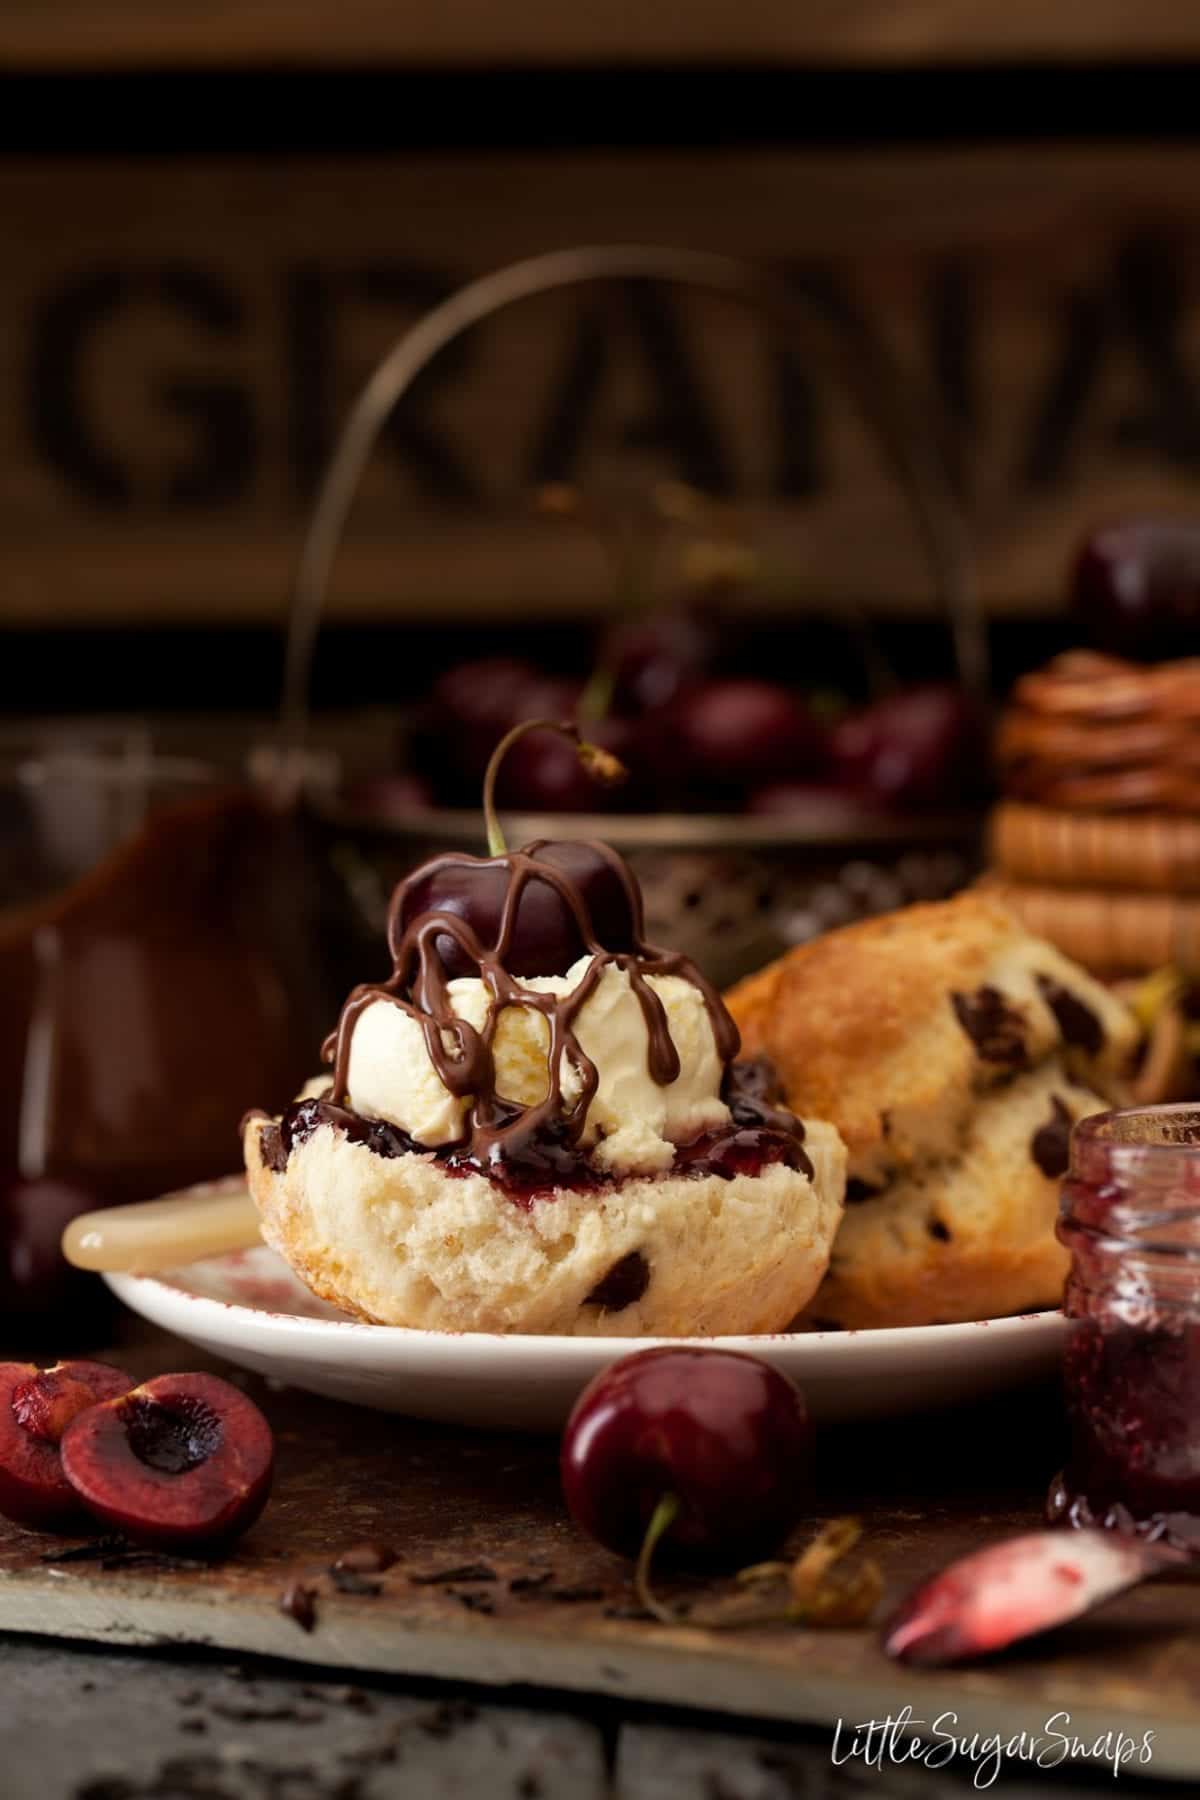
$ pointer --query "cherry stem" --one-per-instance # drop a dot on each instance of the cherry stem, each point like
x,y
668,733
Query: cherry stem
x,y
600,764
661,1521
801,1592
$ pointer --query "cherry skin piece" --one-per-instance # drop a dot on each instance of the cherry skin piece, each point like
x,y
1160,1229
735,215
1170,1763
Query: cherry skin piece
x,y
545,938
36,1406
182,1460
724,1433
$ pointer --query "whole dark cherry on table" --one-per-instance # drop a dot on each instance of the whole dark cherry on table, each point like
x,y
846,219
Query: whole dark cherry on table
x,y
724,1435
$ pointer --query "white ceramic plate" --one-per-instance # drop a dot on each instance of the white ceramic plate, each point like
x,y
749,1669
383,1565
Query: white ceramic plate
x,y
249,1308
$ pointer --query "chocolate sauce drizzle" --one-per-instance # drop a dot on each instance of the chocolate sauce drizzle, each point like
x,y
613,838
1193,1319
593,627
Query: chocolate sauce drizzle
x,y
496,1131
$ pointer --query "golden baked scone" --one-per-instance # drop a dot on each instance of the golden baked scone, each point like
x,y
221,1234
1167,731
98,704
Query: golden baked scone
x,y
970,1236
936,1039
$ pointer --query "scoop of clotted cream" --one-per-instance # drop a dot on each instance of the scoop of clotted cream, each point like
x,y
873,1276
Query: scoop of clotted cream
x,y
632,1123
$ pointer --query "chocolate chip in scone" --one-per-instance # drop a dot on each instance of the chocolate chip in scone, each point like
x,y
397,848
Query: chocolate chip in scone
x,y
939,1230
624,1284
1051,1143
1076,1020
271,1149
995,1028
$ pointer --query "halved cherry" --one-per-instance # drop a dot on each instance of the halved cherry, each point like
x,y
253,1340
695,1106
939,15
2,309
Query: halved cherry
x,y
36,1406
181,1460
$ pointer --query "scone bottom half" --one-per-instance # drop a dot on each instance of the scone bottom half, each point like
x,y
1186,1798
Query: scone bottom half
x,y
539,1123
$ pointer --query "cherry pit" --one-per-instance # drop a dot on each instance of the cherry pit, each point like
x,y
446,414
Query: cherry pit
x,y
181,1461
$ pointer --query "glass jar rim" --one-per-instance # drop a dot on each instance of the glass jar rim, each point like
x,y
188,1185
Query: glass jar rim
x,y
1135,1178
1169,1129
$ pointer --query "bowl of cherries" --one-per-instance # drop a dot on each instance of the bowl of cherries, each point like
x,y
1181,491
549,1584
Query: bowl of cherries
x,y
755,813
753,818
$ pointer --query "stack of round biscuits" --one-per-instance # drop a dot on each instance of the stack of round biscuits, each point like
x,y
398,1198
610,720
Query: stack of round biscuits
x,y
1096,844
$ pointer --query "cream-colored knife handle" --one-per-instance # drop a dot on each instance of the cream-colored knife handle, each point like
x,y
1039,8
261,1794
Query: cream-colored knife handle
x,y
208,1220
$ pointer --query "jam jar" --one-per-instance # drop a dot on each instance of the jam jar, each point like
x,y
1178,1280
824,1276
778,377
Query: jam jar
x,y
1130,1217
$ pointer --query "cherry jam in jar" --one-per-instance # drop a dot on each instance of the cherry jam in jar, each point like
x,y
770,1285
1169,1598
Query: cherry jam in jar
x,y
1130,1217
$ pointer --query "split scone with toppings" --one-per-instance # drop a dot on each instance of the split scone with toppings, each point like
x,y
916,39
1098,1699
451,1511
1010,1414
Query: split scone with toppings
x,y
954,1052
539,1124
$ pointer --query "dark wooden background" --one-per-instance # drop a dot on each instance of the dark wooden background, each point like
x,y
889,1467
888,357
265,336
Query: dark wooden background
x,y
216,218
62,33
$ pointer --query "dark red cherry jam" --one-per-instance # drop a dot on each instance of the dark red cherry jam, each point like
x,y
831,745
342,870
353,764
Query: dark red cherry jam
x,y
530,1165
1130,1216
743,1150
303,1117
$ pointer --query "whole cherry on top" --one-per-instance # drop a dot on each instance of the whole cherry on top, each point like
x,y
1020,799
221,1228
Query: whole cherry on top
x,y
545,936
